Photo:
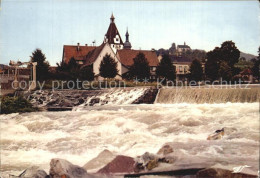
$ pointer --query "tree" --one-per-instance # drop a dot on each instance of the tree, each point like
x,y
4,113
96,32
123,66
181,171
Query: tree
x,y
140,69
225,71
196,71
73,69
68,71
256,67
166,69
229,53
42,68
108,67
212,64
86,73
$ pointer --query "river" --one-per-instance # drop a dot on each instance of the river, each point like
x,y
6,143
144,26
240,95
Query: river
x,y
35,138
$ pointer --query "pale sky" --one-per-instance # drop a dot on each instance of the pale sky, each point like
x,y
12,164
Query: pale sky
x,y
49,24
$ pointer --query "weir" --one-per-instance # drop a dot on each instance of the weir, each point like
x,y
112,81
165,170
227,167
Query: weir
x,y
77,99
60,100
207,95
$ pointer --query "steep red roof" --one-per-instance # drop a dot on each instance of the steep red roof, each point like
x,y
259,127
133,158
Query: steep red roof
x,y
70,51
92,55
126,56
112,32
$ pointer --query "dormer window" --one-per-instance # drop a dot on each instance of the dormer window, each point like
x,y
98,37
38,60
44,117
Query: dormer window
x,y
117,39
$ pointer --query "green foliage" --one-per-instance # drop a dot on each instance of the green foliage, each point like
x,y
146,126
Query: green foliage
x,y
86,73
42,68
243,64
108,67
68,71
228,53
16,105
166,69
236,71
258,53
140,69
225,71
196,71
73,69
256,66
212,65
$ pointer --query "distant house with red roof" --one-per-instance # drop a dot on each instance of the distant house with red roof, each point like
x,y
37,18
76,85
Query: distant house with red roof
x,y
246,75
112,45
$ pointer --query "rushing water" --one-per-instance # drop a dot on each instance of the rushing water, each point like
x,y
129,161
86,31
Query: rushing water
x,y
78,136
82,98
208,95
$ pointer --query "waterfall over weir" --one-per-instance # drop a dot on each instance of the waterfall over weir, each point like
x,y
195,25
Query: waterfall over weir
x,y
207,95
68,99
79,99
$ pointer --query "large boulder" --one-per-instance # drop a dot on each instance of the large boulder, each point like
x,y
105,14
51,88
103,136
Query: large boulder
x,y
220,173
100,161
147,161
121,164
32,172
63,168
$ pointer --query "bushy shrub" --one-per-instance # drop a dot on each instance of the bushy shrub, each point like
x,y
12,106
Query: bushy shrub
x,y
15,105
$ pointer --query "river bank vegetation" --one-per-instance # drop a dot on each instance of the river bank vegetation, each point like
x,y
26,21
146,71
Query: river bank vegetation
x,y
16,105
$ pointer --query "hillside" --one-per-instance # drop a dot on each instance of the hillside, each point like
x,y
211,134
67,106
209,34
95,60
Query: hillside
x,y
247,56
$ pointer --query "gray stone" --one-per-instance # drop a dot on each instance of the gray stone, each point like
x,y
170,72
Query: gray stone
x,y
121,164
63,168
166,149
100,161
219,173
147,161
32,172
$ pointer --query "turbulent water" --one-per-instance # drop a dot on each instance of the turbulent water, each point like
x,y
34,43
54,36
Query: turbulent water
x,y
82,98
78,136
113,97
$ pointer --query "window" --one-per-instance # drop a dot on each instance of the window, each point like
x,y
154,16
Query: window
x,y
180,69
185,69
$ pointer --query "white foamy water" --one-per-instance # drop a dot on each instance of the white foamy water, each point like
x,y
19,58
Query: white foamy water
x,y
113,97
78,136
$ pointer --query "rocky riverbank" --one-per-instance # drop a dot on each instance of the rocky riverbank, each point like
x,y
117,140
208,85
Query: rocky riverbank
x,y
60,100
161,164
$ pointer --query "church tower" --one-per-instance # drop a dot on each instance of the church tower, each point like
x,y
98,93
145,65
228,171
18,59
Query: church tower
x,y
112,36
127,44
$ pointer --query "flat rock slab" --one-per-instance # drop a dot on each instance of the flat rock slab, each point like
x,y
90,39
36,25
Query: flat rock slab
x,y
219,173
32,172
121,164
100,161
182,172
